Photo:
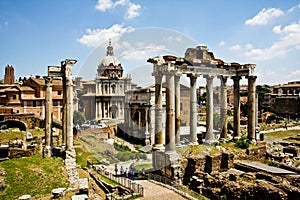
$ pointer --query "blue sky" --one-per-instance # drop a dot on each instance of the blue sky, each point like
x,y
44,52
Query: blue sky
x,y
36,34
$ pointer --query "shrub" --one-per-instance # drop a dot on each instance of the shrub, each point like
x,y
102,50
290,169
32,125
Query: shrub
x,y
120,147
241,143
261,137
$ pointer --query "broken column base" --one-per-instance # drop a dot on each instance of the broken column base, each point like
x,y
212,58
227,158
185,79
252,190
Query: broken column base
x,y
210,142
70,162
168,164
47,152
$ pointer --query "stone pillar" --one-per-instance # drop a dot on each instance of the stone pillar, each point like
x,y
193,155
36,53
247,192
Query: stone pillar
x,y
193,109
147,122
69,103
170,111
158,112
237,107
209,137
48,118
251,107
64,117
223,120
177,110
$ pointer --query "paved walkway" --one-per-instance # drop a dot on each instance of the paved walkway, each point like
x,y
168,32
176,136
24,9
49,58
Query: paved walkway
x,y
153,192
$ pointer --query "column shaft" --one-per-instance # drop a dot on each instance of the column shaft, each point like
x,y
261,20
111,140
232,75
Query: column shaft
x,y
209,110
237,107
48,116
69,103
64,121
177,110
170,110
251,107
158,112
223,107
193,110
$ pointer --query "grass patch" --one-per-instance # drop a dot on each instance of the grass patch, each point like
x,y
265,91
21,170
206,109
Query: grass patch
x,y
82,156
32,175
192,193
5,137
282,134
108,181
142,166
197,150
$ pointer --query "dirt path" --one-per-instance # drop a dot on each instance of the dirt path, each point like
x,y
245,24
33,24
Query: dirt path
x,y
153,192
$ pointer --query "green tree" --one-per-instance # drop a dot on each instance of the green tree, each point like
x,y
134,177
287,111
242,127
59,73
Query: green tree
x,y
78,118
80,93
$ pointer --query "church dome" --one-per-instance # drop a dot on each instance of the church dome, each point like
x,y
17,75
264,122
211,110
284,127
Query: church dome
x,y
109,59
110,66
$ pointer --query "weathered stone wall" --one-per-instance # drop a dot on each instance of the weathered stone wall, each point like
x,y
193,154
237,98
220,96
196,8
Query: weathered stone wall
x,y
256,153
292,150
19,153
213,163
235,184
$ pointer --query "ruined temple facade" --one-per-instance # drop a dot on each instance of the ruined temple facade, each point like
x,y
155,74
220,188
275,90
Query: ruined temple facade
x,y
104,97
197,63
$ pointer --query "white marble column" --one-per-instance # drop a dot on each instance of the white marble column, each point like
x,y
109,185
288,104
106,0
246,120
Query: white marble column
x,y
48,118
177,110
158,145
251,107
237,107
64,117
223,120
209,137
69,103
170,111
193,109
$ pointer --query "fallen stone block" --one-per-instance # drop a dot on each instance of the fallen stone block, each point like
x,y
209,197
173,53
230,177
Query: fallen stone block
x,y
58,192
80,197
83,186
25,197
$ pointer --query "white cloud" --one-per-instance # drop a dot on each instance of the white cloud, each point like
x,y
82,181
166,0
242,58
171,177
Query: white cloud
x,y
173,39
264,16
289,39
3,25
292,9
104,5
277,29
222,43
95,37
143,53
235,47
133,10
294,74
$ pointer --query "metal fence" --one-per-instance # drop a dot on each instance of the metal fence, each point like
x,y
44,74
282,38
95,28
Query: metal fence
x,y
160,179
136,188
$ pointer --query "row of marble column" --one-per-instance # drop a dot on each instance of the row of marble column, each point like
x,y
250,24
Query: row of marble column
x,y
67,119
172,129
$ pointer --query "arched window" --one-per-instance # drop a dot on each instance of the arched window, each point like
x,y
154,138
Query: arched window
x,y
113,87
106,89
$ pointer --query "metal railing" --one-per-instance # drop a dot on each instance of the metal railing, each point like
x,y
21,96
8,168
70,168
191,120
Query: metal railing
x,y
136,188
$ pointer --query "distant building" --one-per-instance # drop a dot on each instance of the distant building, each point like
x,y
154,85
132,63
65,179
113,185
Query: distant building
x,y
30,98
285,100
9,77
139,117
104,97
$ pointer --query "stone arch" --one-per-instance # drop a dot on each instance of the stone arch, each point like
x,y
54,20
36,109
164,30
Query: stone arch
x,y
16,124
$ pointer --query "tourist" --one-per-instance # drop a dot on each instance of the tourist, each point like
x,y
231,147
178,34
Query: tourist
x,y
121,171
